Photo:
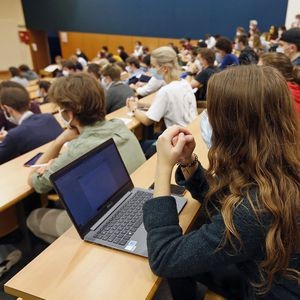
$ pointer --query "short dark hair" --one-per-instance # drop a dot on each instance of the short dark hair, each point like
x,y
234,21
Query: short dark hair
x,y
132,60
69,65
243,39
121,48
24,68
95,69
113,71
147,60
209,55
105,48
14,71
43,84
138,42
81,94
224,44
14,96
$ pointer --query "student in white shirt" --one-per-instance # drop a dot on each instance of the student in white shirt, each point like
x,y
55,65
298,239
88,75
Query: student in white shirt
x,y
175,102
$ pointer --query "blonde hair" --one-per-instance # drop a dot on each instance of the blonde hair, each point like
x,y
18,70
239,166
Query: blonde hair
x,y
166,56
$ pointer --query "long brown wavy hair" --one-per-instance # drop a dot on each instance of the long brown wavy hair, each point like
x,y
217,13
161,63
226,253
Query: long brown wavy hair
x,y
255,143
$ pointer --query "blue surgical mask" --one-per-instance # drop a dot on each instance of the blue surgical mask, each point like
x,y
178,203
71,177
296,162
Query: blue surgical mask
x,y
155,74
205,128
219,58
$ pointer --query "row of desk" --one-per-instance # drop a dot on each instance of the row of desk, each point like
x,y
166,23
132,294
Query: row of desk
x,y
72,269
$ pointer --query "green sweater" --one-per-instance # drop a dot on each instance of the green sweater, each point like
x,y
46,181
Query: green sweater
x,y
91,137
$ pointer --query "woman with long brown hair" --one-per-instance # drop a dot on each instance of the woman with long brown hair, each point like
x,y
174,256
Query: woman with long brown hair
x,y
251,191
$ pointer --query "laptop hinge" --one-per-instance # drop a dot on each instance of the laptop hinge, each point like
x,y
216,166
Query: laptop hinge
x,y
111,211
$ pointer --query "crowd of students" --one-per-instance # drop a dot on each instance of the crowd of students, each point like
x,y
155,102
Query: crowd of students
x,y
248,245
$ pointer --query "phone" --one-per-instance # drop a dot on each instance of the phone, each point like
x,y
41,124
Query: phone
x,y
33,160
175,189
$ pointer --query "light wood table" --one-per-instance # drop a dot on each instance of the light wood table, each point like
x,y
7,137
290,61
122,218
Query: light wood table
x,y
72,269
13,182
48,108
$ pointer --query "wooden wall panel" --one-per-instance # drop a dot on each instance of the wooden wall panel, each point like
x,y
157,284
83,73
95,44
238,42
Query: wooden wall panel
x,y
91,43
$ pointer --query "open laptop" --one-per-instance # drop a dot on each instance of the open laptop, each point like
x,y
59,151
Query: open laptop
x,y
102,202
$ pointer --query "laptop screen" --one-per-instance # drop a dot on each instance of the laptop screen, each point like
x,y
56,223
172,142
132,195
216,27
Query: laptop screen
x,y
91,181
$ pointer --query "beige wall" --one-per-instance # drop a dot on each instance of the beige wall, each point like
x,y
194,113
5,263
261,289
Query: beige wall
x,y
292,10
12,51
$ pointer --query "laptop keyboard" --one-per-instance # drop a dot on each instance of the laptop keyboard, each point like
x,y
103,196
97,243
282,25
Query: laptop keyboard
x,y
125,222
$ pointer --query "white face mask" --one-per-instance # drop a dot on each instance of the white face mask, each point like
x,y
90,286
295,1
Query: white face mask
x,y
66,123
198,64
78,52
104,83
66,73
205,128
251,44
219,58
10,118
128,69
279,50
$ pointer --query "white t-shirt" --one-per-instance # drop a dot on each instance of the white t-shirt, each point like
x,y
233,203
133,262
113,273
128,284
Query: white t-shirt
x,y
176,103
150,87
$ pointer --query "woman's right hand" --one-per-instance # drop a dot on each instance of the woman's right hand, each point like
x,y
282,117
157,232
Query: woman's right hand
x,y
176,144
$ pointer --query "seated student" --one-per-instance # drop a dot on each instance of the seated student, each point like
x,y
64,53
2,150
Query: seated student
x,y
68,67
43,90
80,53
122,53
94,71
134,69
175,102
82,106
289,44
207,58
146,88
247,54
258,44
104,53
16,76
117,91
138,49
27,73
291,73
248,248
224,49
33,130
5,125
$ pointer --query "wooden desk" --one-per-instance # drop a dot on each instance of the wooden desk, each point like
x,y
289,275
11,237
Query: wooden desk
x,y
72,269
48,108
13,183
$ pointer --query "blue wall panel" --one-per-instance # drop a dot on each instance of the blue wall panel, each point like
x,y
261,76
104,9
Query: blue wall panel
x,y
158,18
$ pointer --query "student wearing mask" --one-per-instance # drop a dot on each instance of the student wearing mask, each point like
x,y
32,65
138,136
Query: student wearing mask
x,y
117,91
207,58
291,73
289,44
79,53
223,50
27,73
138,49
16,76
248,248
68,67
81,104
134,69
32,130
5,124
247,54
175,102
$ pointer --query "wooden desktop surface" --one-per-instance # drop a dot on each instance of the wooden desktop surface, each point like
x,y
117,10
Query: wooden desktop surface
x,y
72,269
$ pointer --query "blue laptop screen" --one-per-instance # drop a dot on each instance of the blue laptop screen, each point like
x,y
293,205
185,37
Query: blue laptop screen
x,y
88,184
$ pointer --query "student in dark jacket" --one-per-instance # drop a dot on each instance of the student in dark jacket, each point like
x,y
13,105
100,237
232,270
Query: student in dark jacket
x,y
34,106
251,189
223,53
32,130
122,53
247,56
116,91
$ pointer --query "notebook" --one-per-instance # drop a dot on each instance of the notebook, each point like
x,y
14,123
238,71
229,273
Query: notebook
x,y
103,204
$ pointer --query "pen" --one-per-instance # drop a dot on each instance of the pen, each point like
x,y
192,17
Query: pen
x,y
38,165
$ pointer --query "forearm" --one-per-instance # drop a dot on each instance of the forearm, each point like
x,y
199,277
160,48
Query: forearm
x,y
52,152
162,181
141,116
